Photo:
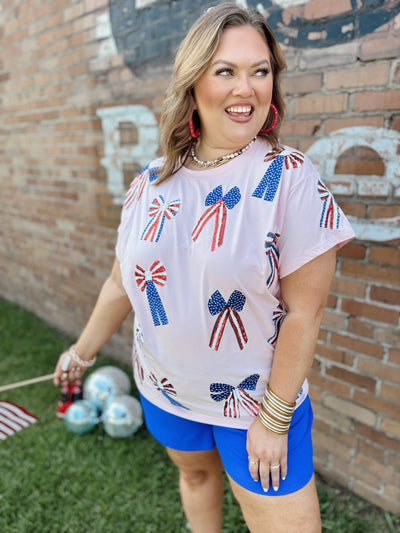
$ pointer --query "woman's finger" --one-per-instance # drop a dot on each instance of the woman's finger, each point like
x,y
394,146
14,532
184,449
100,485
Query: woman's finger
x,y
275,475
253,468
264,476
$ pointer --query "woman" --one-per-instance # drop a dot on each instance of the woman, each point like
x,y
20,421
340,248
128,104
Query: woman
x,y
226,251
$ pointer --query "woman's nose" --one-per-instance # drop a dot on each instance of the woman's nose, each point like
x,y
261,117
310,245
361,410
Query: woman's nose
x,y
243,86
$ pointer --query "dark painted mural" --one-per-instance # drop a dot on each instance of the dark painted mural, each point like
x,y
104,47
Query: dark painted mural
x,y
151,32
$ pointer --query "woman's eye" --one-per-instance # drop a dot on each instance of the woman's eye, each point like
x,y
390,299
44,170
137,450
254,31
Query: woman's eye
x,y
224,72
262,72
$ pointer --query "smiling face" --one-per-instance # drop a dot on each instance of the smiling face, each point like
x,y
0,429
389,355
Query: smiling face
x,y
233,95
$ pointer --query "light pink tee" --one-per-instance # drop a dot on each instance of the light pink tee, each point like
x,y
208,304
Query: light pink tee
x,y
201,259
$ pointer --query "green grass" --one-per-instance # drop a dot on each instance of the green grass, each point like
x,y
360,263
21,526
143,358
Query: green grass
x,y
54,481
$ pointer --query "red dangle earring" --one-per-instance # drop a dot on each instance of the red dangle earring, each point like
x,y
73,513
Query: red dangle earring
x,y
194,133
274,122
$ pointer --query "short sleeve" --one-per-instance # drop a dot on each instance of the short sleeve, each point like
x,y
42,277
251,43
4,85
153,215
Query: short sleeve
x,y
311,222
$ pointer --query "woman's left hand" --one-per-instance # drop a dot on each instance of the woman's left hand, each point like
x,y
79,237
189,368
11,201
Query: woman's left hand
x,y
267,453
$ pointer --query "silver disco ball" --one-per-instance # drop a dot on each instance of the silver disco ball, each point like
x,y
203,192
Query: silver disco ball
x,y
104,384
81,417
122,416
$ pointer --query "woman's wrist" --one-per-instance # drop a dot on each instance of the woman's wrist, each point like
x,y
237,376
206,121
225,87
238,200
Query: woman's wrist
x,y
275,413
85,363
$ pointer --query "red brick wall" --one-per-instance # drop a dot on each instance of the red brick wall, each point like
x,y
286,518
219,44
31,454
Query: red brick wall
x,y
64,63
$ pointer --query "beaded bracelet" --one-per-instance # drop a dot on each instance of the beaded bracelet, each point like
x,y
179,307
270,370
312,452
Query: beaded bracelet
x,y
276,414
81,362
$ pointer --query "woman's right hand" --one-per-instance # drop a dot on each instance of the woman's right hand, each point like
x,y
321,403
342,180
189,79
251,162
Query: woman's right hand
x,y
67,369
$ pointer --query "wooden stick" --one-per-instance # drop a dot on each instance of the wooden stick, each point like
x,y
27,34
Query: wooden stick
x,y
26,382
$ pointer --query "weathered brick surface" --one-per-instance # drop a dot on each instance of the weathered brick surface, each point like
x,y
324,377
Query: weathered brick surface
x,y
64,61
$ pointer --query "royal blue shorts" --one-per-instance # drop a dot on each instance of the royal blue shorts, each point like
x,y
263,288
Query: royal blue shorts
x,y
185,435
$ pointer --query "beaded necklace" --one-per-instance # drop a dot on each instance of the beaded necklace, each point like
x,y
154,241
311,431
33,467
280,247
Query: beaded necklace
x,y
220,160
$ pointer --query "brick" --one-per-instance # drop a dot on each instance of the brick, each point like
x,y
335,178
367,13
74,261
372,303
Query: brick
x,y
333,320
377,467
327,384
374,312
300,128
320,8
357,345
335,417
358,472
323,104
385,295
360,167
360,328
321,426
356,379
394,355
383,48
333,446
374,403
354,209
378,437
369,272
333,124
391,427
303,84
391,392
388,335
380,370
362,76
376,100
345,437
334,354
386,255
369,449
354,411
353,250
384,211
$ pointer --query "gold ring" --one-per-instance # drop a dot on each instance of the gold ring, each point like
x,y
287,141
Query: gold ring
x,y
64,375
251,462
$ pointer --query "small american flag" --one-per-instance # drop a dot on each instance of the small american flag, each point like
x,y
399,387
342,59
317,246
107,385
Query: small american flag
x,y
13,418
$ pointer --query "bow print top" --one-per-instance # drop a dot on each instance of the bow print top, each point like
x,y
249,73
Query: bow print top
x,y
202,255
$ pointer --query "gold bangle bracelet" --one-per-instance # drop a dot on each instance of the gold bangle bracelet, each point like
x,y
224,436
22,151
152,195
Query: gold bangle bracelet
x,y
266,425
272,420
288,404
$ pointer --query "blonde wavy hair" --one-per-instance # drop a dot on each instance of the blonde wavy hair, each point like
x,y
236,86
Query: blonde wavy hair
x,y
192,59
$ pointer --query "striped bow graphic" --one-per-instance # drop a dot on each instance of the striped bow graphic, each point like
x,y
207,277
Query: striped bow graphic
x,y
271,179
236,398
159,211
136,188
166,388
218,206
147,281
330,216
277,316
13,418
225,311
272,253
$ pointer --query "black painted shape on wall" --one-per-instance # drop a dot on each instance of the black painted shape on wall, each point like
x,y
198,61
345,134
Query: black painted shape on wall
x,y
148,37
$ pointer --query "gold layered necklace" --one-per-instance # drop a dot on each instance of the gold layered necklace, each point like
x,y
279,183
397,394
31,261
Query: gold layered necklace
x,y
220,160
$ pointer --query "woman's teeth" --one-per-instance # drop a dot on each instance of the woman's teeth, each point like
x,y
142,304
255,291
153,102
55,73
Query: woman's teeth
x,y
239,110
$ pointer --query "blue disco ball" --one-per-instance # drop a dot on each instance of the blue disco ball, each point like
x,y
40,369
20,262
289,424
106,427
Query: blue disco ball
x,y
81,417
104,384
122,416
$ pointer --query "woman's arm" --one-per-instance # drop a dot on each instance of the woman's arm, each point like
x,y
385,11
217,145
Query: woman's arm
x,y
305,294
111,309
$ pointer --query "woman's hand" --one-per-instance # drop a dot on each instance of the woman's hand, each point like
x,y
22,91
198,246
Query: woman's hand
x,y
267,451
66,368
